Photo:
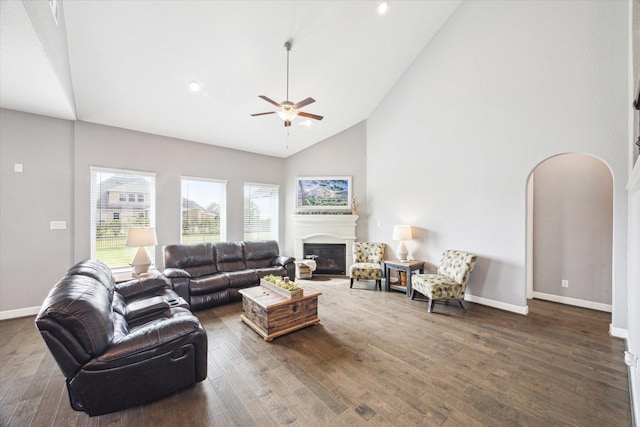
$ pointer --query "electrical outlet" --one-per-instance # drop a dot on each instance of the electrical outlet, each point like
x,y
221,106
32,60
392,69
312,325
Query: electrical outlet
x,y
565,283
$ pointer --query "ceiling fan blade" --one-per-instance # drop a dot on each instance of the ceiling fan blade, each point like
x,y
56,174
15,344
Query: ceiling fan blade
x,y
287,123
304,103
262,114
269,100
309,115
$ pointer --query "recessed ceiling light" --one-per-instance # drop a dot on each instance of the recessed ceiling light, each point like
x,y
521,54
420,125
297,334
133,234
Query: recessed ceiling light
x,y
383,7
194,86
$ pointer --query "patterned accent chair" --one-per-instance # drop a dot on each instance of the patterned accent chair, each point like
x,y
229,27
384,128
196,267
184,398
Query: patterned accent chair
x,y
450,281
367,258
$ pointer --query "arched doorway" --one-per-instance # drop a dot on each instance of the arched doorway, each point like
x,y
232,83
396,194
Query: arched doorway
x,y
570,231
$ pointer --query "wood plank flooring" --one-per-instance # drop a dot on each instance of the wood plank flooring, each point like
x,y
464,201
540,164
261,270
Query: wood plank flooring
x,y
376,358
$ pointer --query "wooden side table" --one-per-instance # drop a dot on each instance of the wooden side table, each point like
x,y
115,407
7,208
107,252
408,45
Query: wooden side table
x,y
407,267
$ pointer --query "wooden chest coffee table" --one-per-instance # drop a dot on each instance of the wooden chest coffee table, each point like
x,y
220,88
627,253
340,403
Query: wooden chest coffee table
x,y
272,315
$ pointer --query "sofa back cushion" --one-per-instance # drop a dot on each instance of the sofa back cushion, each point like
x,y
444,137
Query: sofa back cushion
x,y
230,256
260,253
197,259
97,270
78,306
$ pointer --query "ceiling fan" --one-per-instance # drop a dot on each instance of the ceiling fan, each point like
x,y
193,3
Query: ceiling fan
x,y
287,110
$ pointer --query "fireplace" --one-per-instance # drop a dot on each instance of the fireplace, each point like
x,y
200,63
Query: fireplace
x,y
330,258
325,229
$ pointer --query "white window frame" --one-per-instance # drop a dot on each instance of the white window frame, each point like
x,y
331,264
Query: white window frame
x,y
223,203
275,220
93,199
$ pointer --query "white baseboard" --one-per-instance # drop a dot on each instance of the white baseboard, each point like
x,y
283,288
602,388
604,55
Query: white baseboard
x,y
618,332
497,304
573,301
20,312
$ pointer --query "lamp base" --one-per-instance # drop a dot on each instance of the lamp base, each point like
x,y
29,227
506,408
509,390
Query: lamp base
x,y
402,251
141,262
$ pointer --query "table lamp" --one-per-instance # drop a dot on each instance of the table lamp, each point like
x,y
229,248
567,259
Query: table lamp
x,y
402,233
140,237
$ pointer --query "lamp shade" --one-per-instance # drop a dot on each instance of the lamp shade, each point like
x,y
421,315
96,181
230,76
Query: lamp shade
x,y
402,232
141,236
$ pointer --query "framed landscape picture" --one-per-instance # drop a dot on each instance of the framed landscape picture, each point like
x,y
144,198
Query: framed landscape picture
x,y
323,192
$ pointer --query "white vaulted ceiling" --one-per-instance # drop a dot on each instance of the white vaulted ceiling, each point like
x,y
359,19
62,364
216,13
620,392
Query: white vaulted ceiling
x,y
130,62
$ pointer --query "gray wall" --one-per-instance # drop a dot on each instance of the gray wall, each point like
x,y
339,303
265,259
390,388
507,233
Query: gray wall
x,y
32,256
633,342
169,158
573,228
635,41
502,87
55,185
342,154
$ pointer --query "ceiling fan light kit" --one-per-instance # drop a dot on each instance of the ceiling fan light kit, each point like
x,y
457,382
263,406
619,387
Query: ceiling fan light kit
x,y
287,110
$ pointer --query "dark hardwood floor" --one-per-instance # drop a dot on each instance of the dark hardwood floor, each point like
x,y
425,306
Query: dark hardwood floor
x,y
376,358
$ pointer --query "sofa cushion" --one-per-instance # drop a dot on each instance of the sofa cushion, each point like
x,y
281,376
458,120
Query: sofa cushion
x,y
202,270
230,256
242,279
95,269
197,259
209,284
260,253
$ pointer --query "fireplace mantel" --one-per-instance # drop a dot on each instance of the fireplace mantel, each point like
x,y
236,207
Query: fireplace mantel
x,y
324,229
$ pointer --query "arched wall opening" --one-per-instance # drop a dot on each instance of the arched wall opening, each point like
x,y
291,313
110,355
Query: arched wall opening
x,y
570,231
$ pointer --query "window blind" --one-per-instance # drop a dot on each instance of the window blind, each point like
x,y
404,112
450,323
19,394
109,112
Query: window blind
x,y
260,211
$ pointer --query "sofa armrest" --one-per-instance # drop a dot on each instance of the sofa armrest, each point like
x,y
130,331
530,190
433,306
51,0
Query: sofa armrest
x,y
181,286
173,273
283,260
136,287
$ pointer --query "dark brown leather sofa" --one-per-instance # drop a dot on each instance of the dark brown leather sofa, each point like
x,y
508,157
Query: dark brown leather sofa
x,y
211,274
121,345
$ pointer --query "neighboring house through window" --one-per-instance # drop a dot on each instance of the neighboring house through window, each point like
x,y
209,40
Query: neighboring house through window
x,y
260,211
203,210
112,215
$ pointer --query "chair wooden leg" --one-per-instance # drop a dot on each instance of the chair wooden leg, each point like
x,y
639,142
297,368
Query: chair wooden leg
x,y
351,285
462,303
413,293
379,284
432,303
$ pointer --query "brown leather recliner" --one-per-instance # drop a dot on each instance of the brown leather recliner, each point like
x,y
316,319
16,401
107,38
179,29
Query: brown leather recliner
x,y
121,345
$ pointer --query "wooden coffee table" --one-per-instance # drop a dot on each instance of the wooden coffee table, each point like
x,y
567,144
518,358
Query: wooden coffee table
x,y
272,315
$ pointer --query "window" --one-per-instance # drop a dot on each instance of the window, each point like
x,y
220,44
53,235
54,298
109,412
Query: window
x,y
111,219
260,211
132,197
123,197
203,210
140,198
